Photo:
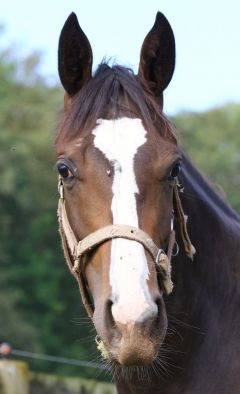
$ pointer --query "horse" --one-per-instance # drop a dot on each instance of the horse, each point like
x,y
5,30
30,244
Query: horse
x,y
154,248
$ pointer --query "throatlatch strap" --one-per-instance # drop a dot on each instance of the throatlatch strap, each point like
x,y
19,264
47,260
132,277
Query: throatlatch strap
x,y
171,243
178,210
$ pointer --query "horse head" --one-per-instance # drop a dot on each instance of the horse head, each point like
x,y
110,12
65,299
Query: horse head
x,y
118,162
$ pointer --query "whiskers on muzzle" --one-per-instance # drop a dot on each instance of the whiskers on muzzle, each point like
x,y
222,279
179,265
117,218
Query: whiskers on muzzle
x,y
161,367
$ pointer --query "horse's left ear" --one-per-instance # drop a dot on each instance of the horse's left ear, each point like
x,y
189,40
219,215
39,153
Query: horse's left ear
x,y
74,56
157,59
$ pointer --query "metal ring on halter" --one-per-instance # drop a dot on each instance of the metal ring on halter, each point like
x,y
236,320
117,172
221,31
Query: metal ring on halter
x,y
177,249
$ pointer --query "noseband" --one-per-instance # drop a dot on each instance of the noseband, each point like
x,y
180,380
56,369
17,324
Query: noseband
x,y
75,250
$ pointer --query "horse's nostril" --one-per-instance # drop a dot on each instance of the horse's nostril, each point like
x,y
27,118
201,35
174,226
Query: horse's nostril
x,y
157,301
109,316
161,319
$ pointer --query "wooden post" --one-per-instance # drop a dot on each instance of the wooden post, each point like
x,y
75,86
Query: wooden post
x,y
13,377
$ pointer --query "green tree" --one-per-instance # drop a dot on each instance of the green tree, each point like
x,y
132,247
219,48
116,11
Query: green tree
x,y
212,140
38,295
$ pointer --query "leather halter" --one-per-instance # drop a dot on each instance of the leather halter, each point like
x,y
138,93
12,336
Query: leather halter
x,y
75,250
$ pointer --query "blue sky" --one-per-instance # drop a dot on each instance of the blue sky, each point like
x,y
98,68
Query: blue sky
x,y
207,36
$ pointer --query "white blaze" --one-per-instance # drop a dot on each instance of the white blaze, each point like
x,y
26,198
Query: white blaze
x,y
119,141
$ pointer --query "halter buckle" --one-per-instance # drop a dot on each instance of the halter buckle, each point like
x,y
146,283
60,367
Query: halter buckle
x,y
157,260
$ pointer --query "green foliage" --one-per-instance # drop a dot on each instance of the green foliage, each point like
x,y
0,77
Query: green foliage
x,y
212,139
40,307
39,299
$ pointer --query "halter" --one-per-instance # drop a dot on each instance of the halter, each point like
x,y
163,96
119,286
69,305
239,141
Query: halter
x,y
75,250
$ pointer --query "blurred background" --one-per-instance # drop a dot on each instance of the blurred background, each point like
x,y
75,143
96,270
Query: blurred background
x,y
40,307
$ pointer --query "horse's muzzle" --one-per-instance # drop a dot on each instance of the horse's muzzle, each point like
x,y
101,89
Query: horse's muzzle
x,y
135,343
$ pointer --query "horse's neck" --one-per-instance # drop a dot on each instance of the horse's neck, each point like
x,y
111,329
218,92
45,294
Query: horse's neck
x,y
215,232
207,290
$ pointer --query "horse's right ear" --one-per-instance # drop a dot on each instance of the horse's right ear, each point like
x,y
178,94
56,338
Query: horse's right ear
x,y
74,56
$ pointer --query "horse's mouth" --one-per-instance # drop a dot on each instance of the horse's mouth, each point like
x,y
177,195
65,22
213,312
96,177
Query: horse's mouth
x,y
134,349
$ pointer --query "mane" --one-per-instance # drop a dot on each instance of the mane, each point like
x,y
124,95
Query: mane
x,y
113,92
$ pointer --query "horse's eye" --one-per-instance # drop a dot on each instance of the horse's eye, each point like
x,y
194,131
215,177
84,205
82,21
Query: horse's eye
x,y
174,172
64,171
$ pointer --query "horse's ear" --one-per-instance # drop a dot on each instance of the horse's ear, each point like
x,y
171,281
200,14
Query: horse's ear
x,y
74,56
157,58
